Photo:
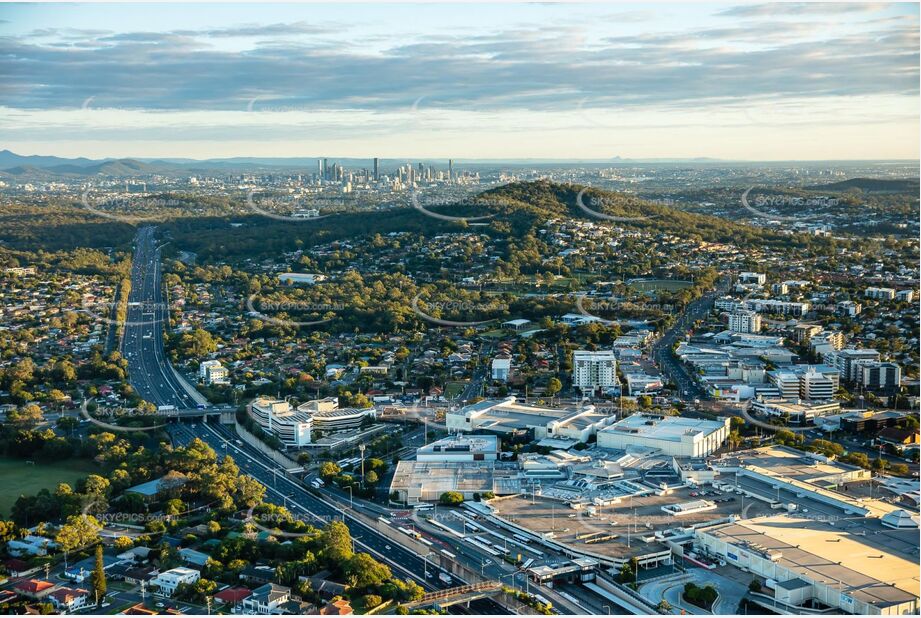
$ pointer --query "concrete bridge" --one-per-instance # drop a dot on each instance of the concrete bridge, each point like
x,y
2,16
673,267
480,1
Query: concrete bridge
x,y
460,594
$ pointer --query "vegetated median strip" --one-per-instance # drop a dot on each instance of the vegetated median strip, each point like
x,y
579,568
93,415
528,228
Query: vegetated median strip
x,y
318,517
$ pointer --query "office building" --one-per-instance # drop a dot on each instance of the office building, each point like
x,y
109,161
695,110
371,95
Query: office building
x,y
593,370
816,386
293,428
672,435
377,169
849,361
880,376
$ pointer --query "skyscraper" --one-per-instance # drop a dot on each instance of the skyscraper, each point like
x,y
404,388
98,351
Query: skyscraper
x,y
377,169
450,170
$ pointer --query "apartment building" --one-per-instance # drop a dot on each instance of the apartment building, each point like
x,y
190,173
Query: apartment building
x,y
212,372
744,321
770,305
593,370
880,293
880,376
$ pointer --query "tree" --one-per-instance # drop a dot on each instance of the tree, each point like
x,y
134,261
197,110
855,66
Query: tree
x,y
98,579
644,401
372,601
554,386
451,498
371,478
363,571
79,531
664,606
329,469
754,585
336,542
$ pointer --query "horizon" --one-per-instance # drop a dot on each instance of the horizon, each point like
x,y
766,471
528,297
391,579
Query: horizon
x,y
595,161
555,82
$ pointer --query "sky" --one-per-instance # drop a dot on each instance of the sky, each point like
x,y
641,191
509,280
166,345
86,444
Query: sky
x,y
784,81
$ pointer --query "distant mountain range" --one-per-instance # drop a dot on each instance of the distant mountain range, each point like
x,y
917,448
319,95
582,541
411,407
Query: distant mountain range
x,y
20,166
871,185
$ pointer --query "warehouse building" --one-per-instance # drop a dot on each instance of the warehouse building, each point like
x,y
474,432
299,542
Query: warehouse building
x,y
855,566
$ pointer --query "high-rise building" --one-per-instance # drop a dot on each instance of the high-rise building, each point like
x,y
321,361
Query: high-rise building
x,y
450,170
591,370
744,321
377,169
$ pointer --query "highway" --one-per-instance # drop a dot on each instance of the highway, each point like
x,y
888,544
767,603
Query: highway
x,y
150,374
301,503
673,368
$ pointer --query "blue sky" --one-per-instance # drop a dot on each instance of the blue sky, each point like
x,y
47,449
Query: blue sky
x,y
566,81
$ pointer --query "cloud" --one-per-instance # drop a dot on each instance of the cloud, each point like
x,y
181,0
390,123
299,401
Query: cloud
x,y
305,66
774,9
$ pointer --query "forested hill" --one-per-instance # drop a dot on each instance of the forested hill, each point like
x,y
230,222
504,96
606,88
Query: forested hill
x,y
518,211
541,200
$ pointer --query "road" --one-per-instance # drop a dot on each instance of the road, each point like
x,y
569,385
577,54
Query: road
x,y
301,503
150,373
674,369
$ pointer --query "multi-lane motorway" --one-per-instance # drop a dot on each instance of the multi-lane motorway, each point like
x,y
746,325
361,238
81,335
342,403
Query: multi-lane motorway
x,y
150,374
301,503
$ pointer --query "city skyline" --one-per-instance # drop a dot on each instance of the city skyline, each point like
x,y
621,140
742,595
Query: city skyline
x,y
752,82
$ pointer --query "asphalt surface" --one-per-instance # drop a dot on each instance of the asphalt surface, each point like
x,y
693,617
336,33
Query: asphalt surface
x,y
301,503
150,373
674,369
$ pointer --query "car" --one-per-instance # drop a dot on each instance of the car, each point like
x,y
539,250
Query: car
x,y
161,605
387,547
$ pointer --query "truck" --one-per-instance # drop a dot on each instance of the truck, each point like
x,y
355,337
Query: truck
x,y
165,408
444,577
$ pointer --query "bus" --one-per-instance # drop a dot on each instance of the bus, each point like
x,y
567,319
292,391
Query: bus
x,y
384,520
423,506
449,554
527,564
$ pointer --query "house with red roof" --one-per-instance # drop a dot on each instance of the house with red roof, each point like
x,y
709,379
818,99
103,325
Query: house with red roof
x,y
70,599
33,588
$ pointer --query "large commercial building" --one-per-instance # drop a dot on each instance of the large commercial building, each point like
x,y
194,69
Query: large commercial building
x,y
593,370
858,566
672,435
276,417
326,416
461,448
799,412
507,416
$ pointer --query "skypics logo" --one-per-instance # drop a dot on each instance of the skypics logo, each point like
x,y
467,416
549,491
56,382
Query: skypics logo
x,y
273,523
130,209
278,311
595,201
139,313
433,202
454,306
596,305
293,208
778,201
115,413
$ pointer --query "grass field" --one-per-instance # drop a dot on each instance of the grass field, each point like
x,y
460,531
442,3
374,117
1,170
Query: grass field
x,y
653,285
18,478
453,389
